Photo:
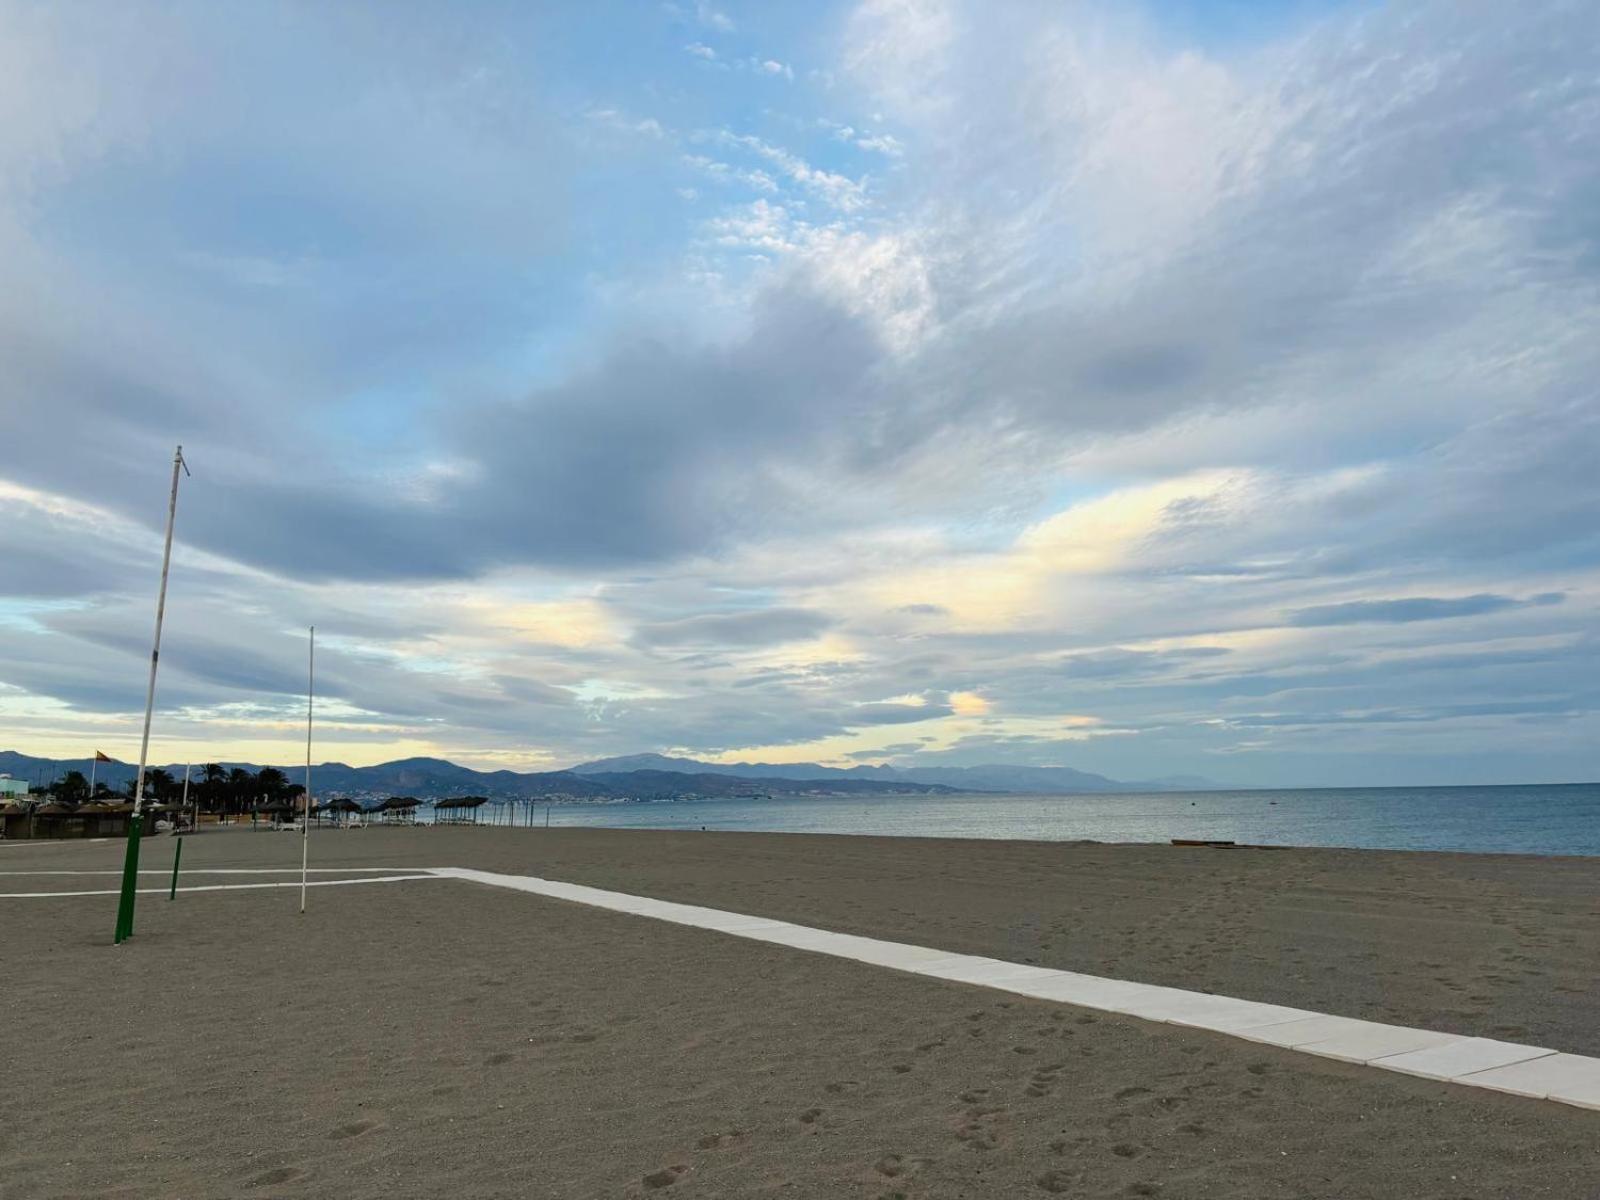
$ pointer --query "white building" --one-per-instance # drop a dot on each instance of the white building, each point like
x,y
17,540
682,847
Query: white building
x,y
11,789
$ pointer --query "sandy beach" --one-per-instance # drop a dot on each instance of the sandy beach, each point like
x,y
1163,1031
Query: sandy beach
x,y
436,1037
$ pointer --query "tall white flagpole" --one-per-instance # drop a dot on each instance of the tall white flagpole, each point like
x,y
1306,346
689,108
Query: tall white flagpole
x,y
305,820
183,804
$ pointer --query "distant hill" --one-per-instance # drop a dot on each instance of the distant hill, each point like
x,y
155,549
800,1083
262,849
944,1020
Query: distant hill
x,y
644,776
993,777
436,778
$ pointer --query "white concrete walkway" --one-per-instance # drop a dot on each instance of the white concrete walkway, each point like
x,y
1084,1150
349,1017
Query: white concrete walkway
x,y
1469,1061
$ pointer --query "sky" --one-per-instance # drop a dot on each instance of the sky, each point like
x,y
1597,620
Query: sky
x,y
1187,388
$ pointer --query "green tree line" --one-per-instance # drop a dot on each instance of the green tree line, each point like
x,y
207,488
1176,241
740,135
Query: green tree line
x,y
214,788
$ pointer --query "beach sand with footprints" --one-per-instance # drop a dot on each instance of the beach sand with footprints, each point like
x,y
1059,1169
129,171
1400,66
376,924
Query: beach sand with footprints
x,y
434,1037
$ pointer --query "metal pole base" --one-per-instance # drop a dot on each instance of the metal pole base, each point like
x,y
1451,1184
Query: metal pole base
x,y
130,881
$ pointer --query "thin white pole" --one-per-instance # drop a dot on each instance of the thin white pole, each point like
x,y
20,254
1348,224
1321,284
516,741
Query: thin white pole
x,y
183,804
155,652
305,821
94,764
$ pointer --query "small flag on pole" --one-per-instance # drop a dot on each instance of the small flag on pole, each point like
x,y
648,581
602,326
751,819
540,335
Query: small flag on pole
x,y
101,757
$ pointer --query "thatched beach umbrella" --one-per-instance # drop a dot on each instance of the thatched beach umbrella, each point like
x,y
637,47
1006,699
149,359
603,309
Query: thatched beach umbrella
x,y
399,808
340,808
461,810
275,809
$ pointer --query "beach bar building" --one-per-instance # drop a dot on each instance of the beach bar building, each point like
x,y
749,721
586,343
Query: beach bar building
x,y
26,822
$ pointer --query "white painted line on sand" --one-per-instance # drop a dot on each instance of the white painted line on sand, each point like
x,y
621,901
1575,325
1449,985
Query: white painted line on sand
x,y
236,871
1468,1061
227,887
19,843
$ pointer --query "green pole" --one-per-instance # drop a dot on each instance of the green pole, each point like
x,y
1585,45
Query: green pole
x,y
177,856
130,880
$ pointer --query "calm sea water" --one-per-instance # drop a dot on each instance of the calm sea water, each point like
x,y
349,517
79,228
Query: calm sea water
x,y
1560,819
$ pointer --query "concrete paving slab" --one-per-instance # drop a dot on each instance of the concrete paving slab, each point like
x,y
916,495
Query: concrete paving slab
x,y
1569,1078
1248,1015
966,968
730,922
890,954
798,936
1455,1059
1167,1004
1087,990
1377,1041
1305,1029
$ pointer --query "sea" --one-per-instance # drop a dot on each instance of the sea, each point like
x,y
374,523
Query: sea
x,y
1516,819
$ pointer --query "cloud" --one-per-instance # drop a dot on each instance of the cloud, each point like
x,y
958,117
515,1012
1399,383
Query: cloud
x,y
762,627
896,714
1415,608
1028,362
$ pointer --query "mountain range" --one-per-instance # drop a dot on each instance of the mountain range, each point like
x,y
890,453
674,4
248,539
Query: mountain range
x,y
645,776
993,777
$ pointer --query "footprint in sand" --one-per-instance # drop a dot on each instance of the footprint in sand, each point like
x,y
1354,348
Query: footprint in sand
x,y
353,1129
1056,1182
984,1127
494,1060
890,1165
809,1117
665,1177
841,1085
1044,1079
719,1141
278,1175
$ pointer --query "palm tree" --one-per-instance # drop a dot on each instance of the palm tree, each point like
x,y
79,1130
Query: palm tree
x,y
160,783
213,785
71,788
272,783
241,789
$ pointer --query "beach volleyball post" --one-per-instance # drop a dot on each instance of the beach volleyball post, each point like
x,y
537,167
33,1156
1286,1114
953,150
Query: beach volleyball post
x,y
305,816
130,859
